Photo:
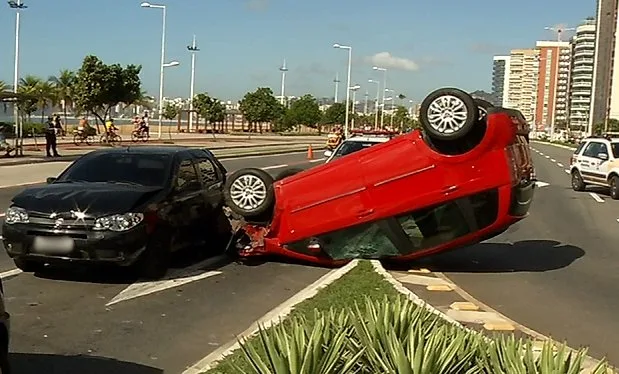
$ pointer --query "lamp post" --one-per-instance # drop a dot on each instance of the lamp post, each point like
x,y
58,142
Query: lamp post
x,y
392,106
376,102
388,99
283,69
382,115
193,48
354,90
349,48
336,80
17,5
365,105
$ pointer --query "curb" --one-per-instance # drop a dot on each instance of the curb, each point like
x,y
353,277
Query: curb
x,y
272,318
589,362
554,144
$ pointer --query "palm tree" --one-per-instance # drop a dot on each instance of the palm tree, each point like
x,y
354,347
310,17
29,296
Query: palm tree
x,y
29,88
63,85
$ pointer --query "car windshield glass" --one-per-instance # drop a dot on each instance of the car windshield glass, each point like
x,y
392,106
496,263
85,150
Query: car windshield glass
x,y
126,168
615,149
352,147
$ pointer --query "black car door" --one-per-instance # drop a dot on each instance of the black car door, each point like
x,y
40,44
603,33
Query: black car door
x,y
189,199
212,182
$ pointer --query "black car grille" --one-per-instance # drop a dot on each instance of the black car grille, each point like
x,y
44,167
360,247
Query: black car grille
x,y
65,220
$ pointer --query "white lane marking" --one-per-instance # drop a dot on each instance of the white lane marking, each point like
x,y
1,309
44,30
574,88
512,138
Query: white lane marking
x,y
566,171
617,219
2,215
559,164
553,160
547,156
275,167
541,154
174,278
10,273
541,184
596,197
318,159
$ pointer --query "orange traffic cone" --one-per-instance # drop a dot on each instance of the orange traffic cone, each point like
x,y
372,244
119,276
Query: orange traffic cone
x,y
310,153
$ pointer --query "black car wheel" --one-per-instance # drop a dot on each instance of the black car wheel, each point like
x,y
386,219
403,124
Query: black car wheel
x,y
249,193
153,263
448,114
577,183
614,187
288,173
28,266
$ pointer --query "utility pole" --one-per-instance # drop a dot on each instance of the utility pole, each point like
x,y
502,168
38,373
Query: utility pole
x,y
193,48
283,69
336,80
365,106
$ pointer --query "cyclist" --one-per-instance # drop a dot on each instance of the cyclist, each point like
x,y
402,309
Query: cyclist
x,y
110,129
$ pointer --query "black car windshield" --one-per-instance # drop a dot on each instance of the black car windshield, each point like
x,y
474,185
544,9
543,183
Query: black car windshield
x,y
351,147
615,149
130,168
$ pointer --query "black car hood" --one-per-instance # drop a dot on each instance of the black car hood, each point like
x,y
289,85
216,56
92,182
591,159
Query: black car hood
x,y
97,199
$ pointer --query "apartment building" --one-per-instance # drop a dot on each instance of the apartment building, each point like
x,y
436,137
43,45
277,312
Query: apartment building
x,y
500,80
581,76
522,82
553,71
605,92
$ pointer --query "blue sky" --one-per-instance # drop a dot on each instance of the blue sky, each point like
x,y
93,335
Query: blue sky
x,y
243,42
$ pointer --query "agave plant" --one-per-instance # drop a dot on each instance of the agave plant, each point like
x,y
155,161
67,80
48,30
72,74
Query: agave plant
x,y
301,347
508,355
400,337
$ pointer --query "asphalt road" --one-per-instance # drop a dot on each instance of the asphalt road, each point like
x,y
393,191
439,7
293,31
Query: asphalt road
x,y
100,322
556,271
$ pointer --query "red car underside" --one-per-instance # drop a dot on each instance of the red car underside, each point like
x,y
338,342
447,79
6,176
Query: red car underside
x,y
376,203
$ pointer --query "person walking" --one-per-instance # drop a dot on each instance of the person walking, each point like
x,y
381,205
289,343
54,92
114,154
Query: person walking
x,y
50,137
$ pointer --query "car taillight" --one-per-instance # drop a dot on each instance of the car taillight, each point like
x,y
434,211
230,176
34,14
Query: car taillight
x,y
513,165
572,160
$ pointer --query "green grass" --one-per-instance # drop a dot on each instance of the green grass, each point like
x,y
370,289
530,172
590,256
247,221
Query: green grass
x,y
354,286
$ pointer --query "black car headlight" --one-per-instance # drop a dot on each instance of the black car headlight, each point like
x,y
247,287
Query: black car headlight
x,y
118,222
15,215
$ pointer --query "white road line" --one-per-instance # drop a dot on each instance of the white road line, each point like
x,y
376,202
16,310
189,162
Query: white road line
x,y
617,219
596,197
559,164
566,171
10,273
2,215
553,160
318,160
547,156
275,167
541,154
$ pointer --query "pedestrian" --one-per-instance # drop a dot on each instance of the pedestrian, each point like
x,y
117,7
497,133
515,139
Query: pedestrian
x,y
50,138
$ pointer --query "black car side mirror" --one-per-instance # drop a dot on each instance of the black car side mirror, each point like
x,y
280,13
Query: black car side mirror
x,y
51,180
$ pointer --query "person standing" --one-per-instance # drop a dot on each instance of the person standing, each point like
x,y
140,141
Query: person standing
x,y
50,138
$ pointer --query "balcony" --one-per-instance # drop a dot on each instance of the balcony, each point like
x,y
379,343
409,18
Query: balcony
x,y
583,68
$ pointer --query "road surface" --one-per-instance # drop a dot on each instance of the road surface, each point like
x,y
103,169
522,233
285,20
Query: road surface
x,y
67,322
557,271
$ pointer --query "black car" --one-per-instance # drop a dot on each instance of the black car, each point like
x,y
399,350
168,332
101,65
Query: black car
x,y
4,334
128,206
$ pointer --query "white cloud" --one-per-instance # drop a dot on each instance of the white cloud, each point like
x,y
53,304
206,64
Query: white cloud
x,y
387,60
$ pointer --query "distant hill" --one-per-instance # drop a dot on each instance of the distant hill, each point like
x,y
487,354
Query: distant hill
x,y
480,94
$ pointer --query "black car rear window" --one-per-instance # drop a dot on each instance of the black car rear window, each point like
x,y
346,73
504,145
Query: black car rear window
x,y
142,169
352,147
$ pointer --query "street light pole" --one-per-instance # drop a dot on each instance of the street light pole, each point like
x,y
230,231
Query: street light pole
x,y
336,80
354,90
19,142
365,106
382,114
283,69
392,104
349,48
376,102
193,48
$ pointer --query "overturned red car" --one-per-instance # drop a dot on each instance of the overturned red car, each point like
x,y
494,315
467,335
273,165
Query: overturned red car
x,y
465,177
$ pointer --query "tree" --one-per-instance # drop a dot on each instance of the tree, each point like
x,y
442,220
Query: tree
x,y
305,111
63,85
29,89
99,87
400,116
170,111
202,104
335,114
260,106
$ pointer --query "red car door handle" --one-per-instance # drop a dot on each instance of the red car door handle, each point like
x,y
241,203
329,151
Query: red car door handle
x,y
365,213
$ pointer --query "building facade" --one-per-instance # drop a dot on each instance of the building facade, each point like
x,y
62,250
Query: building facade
x,y
604,71
500,80
581,77
553,71
522,82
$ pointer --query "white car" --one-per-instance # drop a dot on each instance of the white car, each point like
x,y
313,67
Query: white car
x,y
596,162
357,141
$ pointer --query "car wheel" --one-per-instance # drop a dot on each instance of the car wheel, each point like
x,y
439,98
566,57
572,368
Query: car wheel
x,y
482,107
448,114
577,183
153,263
614,187
28,266
288,173
249,192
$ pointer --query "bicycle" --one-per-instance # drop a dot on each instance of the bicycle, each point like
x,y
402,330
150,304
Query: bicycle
x,y
111,139
142,135
9,150
80,137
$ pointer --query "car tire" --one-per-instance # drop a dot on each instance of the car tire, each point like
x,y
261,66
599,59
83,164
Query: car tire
x,y
249,193
577,183
482,107
613,183
154,261
28,266
288,173
448,114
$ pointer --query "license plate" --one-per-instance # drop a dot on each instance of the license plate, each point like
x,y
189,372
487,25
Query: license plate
x,y
53,246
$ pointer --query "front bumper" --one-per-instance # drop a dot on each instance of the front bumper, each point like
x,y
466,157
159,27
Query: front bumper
x,y
121,248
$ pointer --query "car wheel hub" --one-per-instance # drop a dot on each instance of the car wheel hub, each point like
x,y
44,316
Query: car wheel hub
x,y
248,192
447,114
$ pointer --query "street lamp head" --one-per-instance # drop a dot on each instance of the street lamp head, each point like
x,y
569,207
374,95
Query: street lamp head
x,y
372,81
146,4
336,45
355,87
171,64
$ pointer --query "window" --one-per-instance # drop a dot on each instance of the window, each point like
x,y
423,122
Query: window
x,y
207,171
351,147
187,178
615,148
133,168
593,149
